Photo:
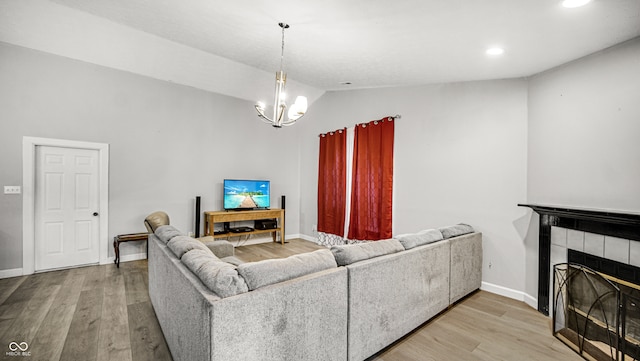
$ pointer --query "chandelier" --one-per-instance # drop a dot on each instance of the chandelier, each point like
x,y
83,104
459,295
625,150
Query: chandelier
x,y
296,111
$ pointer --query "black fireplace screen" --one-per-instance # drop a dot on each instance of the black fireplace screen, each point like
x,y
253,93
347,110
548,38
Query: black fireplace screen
x,y
597,317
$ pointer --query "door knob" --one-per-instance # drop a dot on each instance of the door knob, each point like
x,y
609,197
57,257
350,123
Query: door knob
x,y
95,214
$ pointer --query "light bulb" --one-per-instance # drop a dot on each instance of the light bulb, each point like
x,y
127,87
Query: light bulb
x,y
301,104
574,3
495,51
293,112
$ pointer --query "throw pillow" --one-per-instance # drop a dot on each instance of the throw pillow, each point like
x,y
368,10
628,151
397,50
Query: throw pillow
x,y
456,230
271,271
348,254
220,277
419,239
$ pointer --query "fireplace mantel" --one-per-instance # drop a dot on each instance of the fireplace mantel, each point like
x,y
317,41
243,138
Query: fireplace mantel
x,y
604,222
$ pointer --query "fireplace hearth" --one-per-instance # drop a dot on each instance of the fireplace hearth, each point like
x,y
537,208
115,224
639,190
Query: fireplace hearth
x,y
592,258
596,314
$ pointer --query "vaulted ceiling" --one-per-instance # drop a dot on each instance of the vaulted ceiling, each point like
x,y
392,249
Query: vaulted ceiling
x,y
368,43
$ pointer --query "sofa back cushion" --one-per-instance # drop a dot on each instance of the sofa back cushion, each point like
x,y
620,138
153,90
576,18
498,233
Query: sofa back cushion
x,y
421,238
220,277
271,271
348,254
167,232
456,230
182,244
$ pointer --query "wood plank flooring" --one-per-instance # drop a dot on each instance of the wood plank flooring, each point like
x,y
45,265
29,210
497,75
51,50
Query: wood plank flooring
x,y
88,313
258,252
104,313
483,327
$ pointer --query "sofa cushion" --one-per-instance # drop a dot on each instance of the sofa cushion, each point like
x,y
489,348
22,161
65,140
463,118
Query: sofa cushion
x,y
220,277
421,238
270,271
182,244
232,260
348,254
166,232
220,248
456,230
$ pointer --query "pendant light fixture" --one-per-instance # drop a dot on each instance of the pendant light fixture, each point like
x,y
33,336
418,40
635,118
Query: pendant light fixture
x,y
296,111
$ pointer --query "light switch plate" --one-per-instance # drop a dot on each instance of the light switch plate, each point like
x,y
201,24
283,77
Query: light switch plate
x,y
12,190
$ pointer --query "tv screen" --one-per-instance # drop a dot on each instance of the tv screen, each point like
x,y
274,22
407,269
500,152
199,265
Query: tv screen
x,y
246,194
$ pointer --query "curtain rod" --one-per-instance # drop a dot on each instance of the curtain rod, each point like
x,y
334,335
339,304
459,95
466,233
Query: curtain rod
x,y
394,117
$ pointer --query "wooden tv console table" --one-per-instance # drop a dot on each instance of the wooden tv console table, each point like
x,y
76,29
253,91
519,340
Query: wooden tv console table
x,y
212,217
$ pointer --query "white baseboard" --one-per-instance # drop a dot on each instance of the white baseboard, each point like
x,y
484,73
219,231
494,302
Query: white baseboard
x,y
8,273
531,301
308,238
126,258
507,292
503,291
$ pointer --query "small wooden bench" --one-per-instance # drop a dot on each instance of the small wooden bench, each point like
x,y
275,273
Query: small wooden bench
x,y
128,238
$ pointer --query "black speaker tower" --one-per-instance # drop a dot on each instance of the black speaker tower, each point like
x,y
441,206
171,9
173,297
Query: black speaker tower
x,y
197,216
283,206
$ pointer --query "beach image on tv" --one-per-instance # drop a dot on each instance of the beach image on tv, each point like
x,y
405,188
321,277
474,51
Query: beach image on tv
x,y
246,194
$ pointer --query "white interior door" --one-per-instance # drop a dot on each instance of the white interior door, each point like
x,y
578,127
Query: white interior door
x,y
67,223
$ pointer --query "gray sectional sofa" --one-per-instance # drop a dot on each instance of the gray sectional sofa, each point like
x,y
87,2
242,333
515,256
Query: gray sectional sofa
x,y
346,303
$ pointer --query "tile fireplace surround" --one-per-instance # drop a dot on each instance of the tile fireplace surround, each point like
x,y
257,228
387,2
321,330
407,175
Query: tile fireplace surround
x,y
603,233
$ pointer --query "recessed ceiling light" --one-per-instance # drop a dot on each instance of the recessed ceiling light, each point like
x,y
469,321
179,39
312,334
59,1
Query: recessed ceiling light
x,y
495,51
574,3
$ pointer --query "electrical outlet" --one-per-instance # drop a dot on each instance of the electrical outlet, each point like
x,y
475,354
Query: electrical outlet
x,y
314,228
12,190
191,234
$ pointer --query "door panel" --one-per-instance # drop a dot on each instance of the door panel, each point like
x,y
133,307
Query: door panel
x,y
66,196
54,237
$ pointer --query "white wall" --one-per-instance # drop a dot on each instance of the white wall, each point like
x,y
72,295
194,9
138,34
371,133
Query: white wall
x,y
584,130
460,156
57,29
465,152
584,137
168,142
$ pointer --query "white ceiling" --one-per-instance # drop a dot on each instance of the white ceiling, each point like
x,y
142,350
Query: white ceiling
x,y
378,43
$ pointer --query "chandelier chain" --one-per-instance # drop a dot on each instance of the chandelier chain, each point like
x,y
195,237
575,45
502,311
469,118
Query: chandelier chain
x,y
282,49
295,111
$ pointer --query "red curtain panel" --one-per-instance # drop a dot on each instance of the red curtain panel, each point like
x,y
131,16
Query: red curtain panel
x,y
332,178
372,184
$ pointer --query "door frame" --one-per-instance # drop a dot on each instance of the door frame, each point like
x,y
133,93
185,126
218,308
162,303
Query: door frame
x,y
29,145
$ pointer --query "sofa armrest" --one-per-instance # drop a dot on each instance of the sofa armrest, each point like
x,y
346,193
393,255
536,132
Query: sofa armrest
x,y
393,294
220,248
301,319
466,265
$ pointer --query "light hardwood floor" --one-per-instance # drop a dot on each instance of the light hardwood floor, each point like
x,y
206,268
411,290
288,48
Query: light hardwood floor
x,y
87,313
483,327
104,313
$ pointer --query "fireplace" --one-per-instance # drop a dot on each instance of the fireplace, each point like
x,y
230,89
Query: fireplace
x,y
597,313
597,254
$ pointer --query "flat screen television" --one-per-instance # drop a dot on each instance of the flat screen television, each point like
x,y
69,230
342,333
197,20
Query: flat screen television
x,y
243,194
